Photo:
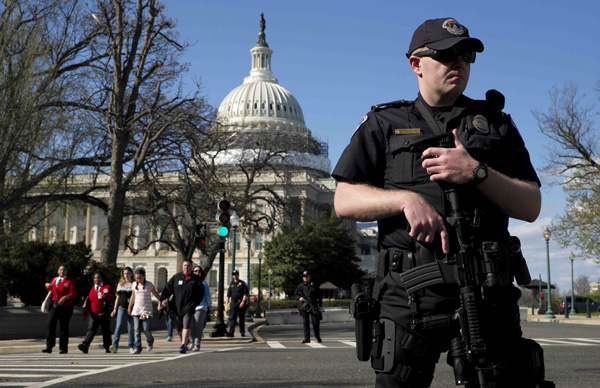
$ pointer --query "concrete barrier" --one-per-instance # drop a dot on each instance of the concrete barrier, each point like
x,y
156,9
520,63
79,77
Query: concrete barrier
x,y
292,316
30,322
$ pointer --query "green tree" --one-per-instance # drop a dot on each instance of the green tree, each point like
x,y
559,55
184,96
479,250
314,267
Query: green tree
x,y
26,267
573,158
323,248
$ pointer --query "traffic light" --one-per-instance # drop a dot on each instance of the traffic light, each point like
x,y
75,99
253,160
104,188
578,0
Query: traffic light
x,y
542,296
201,237
223,216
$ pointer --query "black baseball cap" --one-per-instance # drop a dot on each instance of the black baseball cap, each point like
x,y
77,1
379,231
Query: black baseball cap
x,y
305,273
441,34
235,272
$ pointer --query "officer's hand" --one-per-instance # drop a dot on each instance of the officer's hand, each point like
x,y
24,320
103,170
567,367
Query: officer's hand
x,y
453,165
425,222
241,305
301,299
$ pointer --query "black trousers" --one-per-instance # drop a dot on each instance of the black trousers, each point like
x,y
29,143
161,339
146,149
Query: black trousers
x,y
306,318
236,312
102,321
57,314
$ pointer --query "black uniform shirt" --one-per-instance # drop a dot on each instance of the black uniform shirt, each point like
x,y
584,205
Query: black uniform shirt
x,y
237,290
379,154
308,291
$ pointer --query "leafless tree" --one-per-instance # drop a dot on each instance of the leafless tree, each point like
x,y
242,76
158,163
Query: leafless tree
x,y
573,159
44,52
582,284
133,96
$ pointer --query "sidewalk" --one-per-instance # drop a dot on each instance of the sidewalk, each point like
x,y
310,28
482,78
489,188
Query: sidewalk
x,y
573,319
160,340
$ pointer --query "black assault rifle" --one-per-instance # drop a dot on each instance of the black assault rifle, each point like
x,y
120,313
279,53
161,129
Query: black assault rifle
x,y
312,309
474,268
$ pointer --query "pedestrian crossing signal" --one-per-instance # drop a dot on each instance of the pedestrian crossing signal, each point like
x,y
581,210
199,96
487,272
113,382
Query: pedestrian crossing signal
x,y
223,217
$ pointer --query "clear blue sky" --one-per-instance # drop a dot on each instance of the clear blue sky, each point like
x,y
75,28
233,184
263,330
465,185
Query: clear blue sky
x,y
340,57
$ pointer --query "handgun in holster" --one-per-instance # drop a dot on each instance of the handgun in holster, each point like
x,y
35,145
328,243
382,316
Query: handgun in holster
x,y
363,309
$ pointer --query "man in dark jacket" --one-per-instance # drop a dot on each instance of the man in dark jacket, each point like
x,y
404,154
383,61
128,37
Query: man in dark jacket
x,y
187,290
309,298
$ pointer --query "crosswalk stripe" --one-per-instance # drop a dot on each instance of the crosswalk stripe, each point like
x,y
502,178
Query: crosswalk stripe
x,y
588,340
315,345
275,344
353,344
554,341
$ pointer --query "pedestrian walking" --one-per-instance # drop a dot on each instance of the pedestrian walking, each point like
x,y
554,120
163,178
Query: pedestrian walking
x,y
187,291
140,307
98,307
200,315
63,293
124,291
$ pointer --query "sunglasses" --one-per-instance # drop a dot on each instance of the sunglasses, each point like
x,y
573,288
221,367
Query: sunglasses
x,y
448,55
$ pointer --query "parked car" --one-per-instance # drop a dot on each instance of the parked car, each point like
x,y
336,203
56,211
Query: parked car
x,y
580,304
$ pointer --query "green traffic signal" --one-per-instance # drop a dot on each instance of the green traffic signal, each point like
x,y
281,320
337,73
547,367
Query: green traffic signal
x,y
223,231
223,217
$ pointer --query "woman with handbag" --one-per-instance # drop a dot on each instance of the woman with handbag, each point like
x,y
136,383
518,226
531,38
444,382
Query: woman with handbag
x,y
63,293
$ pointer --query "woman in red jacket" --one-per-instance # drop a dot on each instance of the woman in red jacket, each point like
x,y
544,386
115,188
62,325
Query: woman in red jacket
x,y
95,306
63,292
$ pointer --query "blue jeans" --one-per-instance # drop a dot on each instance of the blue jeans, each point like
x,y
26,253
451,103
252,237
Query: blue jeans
x,y
137,326
170,318
122,316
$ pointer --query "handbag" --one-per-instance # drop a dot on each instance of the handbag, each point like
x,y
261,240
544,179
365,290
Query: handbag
x,y
47,303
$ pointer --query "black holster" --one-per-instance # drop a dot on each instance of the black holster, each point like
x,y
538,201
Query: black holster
x,y
363,310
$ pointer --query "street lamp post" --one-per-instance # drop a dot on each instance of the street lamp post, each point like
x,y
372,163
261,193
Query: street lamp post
x,y
234,220
270,272
248,237
549,313
540,292
572,257
258,298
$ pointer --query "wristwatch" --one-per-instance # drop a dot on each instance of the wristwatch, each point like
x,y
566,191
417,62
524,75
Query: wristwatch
x,y
480,173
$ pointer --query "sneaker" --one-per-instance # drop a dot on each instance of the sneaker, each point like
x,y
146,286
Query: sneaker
x,y
83,348
170,338
197,348
112,349
149,348
182,349
137,351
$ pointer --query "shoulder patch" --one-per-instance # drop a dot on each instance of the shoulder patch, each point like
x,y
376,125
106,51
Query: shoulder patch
x,y
364,120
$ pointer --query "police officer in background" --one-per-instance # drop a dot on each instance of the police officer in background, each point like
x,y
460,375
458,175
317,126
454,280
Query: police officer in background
x,y
237,302
381,177
310,306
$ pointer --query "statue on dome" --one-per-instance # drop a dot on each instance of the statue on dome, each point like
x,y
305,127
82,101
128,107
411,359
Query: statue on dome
x,y
262,22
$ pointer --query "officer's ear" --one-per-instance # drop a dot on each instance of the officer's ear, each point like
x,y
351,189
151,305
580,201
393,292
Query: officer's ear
x,y
415,65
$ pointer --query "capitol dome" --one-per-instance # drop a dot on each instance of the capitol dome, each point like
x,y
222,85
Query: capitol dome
x,y
261,105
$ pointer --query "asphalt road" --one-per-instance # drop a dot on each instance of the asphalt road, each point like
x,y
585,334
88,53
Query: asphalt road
x,y
281,361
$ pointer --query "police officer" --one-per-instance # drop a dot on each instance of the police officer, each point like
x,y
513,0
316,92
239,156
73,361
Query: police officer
x,y
237,302
382,176
309,298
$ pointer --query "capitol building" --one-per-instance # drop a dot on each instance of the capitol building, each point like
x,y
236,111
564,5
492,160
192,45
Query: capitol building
x,y
259,111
